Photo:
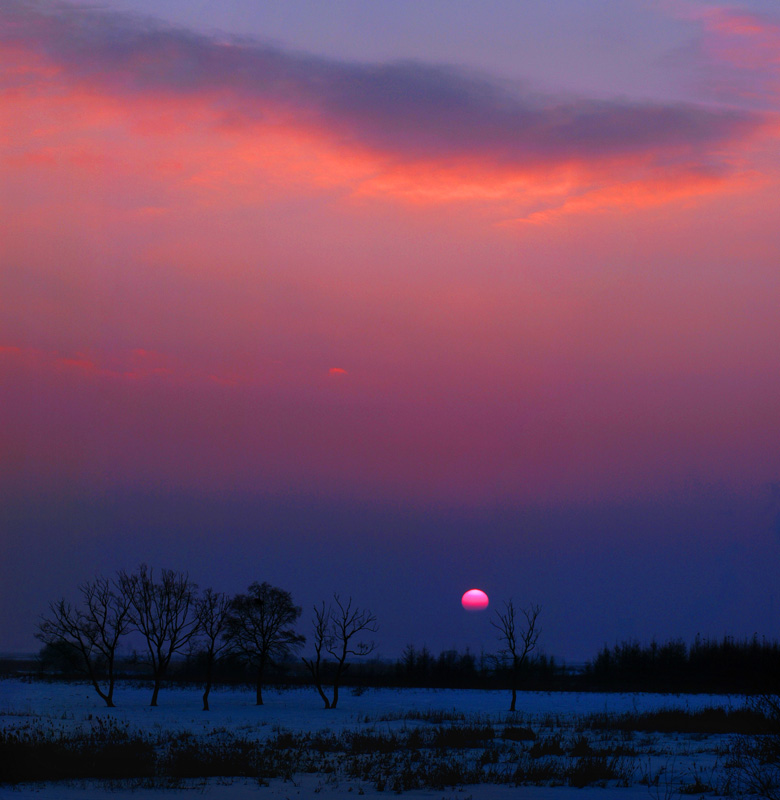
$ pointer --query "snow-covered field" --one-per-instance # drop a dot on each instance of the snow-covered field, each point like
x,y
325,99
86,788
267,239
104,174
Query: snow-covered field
x,y
668,762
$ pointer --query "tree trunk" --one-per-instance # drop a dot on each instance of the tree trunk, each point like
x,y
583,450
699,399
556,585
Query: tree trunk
x,y
159,667
207,688
322,694
110,695
106,698
516,663
340,669
314,668
259,691
155,691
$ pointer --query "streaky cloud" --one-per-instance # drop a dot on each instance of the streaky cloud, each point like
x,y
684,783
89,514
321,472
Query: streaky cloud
x,y
407,111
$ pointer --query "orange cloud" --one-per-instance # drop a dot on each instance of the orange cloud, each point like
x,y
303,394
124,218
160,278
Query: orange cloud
x,y
632,195
222,136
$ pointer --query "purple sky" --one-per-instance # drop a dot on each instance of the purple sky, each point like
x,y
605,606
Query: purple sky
x,y
396,299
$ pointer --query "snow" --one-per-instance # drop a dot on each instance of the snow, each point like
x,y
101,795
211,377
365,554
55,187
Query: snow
x,y
70,707
313,787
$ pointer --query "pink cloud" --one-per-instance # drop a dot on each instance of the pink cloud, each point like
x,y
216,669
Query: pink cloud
x,y
79,362
384,127
737,54
136,365
745,40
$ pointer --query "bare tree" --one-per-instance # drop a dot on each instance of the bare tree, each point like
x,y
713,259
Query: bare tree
x,y
212,610
519,637
164,613
90,632
260,628
322,638
335,629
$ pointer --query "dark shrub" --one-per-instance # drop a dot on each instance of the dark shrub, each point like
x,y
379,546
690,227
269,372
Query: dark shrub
x,y
514,733
549,746
464,736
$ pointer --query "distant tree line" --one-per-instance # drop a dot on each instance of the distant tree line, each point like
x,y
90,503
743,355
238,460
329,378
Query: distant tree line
x,y
451,669
728,666
723,666
747,666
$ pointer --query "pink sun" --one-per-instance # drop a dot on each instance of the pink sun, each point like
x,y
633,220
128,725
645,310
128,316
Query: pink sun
x,y
474,600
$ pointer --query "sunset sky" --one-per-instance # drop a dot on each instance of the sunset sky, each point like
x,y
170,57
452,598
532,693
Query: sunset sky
x,y
396,299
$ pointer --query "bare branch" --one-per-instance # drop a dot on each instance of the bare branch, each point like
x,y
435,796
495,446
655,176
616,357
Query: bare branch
x,y
164,613
335,629
518,636
91,632
212,610
322,639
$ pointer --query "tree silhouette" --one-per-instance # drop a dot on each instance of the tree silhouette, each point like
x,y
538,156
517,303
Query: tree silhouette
x,y
321,638
519,638
260,628
335,628
90,633
212,610
164,613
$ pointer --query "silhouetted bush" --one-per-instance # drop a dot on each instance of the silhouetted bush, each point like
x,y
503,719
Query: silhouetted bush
x,y
549,746
596,769
464,736
704,720
187,757
536,772
106,753
514,733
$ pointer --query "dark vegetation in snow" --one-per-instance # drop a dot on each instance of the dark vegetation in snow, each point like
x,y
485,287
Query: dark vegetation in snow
x,y
706,720
420,756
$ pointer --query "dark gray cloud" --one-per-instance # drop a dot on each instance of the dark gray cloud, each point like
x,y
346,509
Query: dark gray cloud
x,y
406,110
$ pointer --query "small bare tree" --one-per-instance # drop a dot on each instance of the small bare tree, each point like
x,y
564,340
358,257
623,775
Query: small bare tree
x,y
519,638
322,638
335,629
212,610
164,613
90,632
260,628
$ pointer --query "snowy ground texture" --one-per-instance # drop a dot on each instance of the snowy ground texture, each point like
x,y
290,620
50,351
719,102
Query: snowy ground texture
x,y
378,735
